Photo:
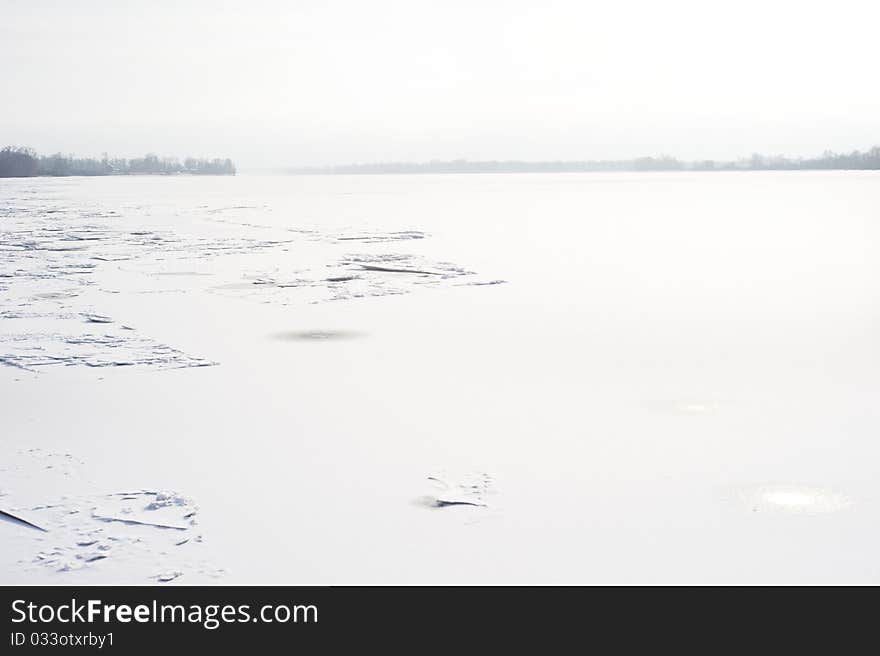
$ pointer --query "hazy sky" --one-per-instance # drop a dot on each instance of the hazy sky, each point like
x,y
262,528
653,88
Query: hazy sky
x,y
331,81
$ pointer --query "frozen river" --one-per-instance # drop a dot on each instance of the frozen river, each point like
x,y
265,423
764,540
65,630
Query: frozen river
x,y
572,378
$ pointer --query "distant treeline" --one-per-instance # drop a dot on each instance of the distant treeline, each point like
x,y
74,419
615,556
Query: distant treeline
x,y
828,161
24,162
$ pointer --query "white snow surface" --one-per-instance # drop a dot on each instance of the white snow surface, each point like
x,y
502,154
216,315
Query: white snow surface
x,y
573,378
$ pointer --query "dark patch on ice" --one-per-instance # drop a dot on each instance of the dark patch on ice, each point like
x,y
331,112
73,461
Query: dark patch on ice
x,y
319,335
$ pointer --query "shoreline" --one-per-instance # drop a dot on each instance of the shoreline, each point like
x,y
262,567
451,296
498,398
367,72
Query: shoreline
x,y
119,175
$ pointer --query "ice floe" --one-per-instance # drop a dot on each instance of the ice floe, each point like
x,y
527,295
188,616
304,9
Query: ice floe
x,y
139,534
472,489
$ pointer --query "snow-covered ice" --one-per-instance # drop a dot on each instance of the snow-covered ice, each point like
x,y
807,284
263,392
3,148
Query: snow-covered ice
x,y
574,378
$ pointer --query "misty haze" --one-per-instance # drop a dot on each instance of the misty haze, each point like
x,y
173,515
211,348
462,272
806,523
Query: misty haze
x,y
318,293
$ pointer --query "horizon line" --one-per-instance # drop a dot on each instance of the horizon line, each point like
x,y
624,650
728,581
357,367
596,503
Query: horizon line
x,y
829,160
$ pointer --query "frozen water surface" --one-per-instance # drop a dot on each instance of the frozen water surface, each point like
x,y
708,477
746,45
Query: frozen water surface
x,y
394,379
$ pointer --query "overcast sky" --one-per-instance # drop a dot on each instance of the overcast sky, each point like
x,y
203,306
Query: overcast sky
x,y
331,81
